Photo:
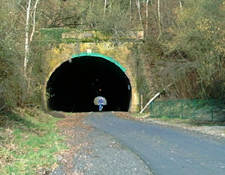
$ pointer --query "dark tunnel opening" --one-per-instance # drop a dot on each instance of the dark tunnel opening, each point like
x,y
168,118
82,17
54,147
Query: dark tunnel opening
x,y
73,86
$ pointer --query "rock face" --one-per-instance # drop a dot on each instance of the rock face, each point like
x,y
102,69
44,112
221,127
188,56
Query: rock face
x,y
68,43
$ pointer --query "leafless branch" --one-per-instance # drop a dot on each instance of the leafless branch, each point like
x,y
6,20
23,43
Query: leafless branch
x,y
34,20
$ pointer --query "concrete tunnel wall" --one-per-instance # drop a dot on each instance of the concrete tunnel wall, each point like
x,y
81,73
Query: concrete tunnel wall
x,y
73,86
119,55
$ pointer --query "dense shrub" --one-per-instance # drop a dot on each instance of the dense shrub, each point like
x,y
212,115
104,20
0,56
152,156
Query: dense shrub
x,y
191,51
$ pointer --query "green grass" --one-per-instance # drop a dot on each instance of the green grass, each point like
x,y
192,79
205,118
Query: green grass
x,y
29,142
178,120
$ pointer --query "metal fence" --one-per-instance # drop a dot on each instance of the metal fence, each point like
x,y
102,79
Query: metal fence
x,y
197,109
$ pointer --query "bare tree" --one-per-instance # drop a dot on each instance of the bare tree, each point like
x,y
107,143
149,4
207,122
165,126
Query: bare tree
x,y
27,30
27,27
159,19
146,15
139,11
105,4
181,4
130,10
34,20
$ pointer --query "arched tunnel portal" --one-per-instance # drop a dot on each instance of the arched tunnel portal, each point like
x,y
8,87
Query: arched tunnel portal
x,y
73,86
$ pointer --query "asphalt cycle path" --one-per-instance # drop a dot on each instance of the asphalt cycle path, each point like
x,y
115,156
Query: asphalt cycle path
x,y
165,150
95,152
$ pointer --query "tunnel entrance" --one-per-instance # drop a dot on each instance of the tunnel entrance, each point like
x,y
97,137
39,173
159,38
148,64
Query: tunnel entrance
x,y
73,86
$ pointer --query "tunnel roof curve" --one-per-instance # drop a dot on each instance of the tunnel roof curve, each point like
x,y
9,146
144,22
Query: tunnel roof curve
x,y
84,54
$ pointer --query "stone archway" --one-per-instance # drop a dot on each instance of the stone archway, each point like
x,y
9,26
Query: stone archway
x,y
75,42
73,86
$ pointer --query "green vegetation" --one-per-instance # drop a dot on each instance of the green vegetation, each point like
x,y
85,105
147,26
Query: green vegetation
x,y
200,110
53,35
189,53
29,142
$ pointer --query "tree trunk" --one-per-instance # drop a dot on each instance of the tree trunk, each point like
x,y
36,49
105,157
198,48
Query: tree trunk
x,y
139,11
34,20
27,27
146,17
130,10
181,5
159,19
105,4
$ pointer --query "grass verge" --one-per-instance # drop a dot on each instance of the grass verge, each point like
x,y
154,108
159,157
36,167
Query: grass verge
x,y
177,120
29,142
206,127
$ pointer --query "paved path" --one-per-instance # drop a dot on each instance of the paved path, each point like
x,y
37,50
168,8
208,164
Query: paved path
x,y
120,146
97,153
167,151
